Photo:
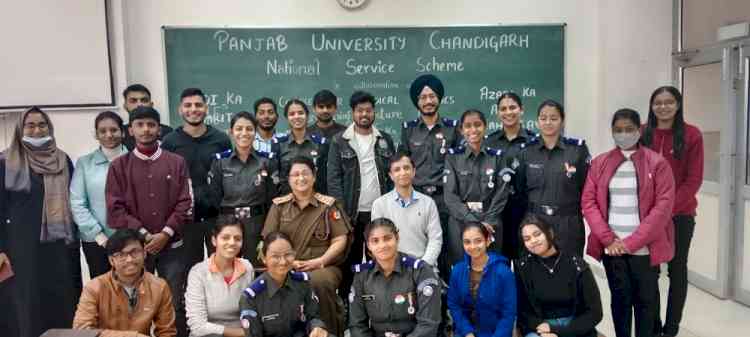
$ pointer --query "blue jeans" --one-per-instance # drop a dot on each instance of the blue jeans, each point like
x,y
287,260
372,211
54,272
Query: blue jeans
x,y
563,321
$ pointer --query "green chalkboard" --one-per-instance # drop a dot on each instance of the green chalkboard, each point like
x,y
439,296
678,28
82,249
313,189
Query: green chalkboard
x,y
236,66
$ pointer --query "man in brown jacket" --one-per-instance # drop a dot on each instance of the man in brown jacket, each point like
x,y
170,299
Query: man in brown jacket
x,y
127,300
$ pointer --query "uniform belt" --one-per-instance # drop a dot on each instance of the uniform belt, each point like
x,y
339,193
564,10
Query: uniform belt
x,y
243,212
553,210
430,189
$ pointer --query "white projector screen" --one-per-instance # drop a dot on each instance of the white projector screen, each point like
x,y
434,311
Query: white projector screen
x,y
54,54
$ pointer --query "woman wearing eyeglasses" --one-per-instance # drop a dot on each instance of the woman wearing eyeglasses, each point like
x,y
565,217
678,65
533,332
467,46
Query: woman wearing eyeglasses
x,y
280,302
319,233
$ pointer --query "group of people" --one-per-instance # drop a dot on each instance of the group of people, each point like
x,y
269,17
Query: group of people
x,y
328,227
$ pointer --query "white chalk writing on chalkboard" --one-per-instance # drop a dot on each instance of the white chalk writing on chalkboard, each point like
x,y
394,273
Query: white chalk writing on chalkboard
x,y
289,68
320,42
432,65
492,42
352,68
226,41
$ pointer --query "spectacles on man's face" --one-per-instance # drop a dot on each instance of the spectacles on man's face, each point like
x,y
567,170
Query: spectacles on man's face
x,y
134,254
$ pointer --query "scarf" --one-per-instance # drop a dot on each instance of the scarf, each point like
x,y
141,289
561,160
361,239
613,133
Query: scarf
x,y
52,164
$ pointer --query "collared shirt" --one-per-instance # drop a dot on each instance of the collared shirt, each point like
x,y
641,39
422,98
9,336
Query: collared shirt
x,y
313,147
475,185
512,147
328,132
151,192
234,183
554,176
261,144
380,304
87,200
418,223
281,310
428,147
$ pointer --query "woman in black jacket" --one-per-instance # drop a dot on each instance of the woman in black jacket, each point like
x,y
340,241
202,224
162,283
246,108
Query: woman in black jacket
x,y
557,293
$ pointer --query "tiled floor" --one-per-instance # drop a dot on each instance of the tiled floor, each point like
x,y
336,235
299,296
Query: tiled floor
x,y
704,316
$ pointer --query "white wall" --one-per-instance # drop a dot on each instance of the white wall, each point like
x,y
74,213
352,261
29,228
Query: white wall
x,y
616,51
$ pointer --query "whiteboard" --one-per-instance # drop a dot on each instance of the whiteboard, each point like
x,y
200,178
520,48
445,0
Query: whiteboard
x,y
55,54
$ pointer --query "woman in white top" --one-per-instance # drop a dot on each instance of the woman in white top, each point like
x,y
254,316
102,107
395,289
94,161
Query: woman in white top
x,y
215,285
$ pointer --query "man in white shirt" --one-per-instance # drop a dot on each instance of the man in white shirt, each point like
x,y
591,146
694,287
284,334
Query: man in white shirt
x,y
415,214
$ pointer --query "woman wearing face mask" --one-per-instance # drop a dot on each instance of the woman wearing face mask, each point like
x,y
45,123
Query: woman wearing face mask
x,y
509,139
557,293
87,191
240,182
281,302
627,203
482,293
682,145
395,294
476,185
299,141
36,227
552,173
214,285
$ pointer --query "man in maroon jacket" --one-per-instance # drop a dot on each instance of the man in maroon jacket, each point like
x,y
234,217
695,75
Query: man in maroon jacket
x,y
149,190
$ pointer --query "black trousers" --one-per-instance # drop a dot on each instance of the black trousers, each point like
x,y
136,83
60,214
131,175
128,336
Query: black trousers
x,y
357,252
633,282
96,258
169,264
195,235
684,227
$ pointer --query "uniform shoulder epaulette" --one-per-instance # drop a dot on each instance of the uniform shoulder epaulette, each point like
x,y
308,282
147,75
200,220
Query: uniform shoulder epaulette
x,y
318,139
412,123
326,199
532,141
283,199
265,154
363,266
457,150
255,288
299,276
224,154
410,262
493,151
450,122
280,138
573,141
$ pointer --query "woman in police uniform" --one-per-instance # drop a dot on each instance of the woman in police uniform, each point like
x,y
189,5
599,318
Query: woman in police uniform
x,y
476,185
243,182
395,295
299,141
552,173
280,302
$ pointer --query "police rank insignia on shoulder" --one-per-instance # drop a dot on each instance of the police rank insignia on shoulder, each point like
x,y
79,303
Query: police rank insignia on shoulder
x,y
325,199
410,124
457,150
573,141
299,276
264,154
494,152
363,266
280,138
532,141
283,199
318,139
450,122
255,288
410,262
223,154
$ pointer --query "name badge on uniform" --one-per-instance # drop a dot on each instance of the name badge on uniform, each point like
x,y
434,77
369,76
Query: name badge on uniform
x,y
368,297
269,317
474,206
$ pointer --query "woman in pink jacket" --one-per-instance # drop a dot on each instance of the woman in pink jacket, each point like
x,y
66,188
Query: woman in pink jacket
x,y
627,201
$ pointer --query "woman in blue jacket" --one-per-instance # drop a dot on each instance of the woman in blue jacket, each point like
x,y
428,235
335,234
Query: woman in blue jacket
x,y
482,293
